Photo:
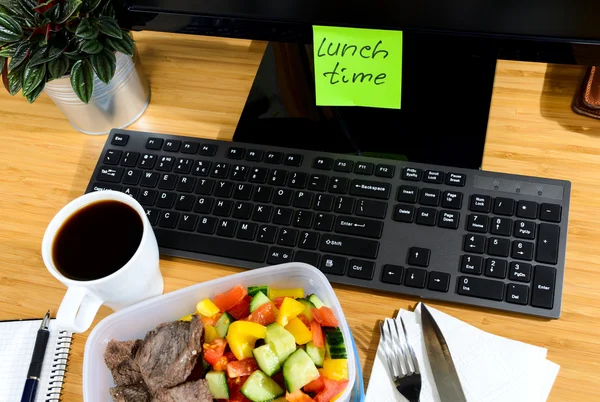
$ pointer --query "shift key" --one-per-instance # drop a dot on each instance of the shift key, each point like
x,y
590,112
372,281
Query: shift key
x,y
349,246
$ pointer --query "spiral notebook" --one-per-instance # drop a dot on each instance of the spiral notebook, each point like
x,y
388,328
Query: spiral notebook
x,y
17,339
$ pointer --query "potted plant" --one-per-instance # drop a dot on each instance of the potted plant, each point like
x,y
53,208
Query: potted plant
x,y
76,52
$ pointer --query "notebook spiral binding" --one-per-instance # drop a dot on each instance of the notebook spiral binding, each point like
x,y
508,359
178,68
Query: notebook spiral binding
x,y
60,362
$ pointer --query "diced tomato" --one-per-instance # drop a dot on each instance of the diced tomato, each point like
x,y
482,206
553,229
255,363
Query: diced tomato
x,y
317,334
233,296
297,396
242,309
230,356
214,351
332,389
277,301
241,368
211,320
324,316
234,385
305,320
221,364
315,386
263,315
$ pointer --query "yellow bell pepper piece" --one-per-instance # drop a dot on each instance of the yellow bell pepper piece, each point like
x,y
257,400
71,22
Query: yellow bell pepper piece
x,y
335,369
210,333
187,317
240,349
242,335
301,334
207,308
289,309
294,293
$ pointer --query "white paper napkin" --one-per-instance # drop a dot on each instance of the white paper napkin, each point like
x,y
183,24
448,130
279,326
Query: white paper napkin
x,y
491,368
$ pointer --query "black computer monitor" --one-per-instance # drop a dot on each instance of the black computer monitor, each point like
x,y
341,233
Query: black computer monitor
x,y
450,52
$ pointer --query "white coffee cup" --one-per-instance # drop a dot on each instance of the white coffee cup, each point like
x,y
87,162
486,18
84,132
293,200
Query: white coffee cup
x,y
139,279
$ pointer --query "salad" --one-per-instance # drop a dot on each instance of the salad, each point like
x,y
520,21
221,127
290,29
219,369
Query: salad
x,y
263,344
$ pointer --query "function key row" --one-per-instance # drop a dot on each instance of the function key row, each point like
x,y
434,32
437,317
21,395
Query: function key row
x,y
524,209
348,166
186,147
271,157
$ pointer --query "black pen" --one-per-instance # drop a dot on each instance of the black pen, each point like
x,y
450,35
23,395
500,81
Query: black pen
x,y
35,368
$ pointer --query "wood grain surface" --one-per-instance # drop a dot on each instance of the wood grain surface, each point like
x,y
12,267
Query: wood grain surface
x,y
199,86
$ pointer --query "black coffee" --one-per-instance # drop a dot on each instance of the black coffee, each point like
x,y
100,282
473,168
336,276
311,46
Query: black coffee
x,y
97,240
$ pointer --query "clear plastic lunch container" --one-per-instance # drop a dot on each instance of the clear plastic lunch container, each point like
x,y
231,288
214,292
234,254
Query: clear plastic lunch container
x,y
134,321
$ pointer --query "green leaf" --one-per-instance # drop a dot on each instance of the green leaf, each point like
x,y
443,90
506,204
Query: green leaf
x,y
2,62
43,4
82,80
9,50
108,26
39,56
104,65
15,81
58,67
86,30
32,77
89,5
37,91
92,46
108,10
68,9
19,56
10,30
124,45
23,7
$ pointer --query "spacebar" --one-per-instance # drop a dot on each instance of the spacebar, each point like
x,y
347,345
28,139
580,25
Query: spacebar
x,y
213,245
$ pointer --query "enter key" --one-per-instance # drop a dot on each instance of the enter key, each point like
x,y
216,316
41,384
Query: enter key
x,y
359,227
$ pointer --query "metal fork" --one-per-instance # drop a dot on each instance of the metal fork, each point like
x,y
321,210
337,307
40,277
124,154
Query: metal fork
x,y
401,360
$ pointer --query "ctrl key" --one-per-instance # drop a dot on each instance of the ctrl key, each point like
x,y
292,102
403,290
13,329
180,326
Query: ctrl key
x,y
480,288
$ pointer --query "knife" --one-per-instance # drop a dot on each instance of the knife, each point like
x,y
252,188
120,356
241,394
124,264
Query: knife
x,y
440,360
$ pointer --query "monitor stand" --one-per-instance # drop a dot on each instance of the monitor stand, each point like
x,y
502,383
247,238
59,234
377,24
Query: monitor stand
x,y
446,99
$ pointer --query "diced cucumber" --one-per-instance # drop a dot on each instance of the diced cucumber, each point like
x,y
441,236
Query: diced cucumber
x,y
316,354
299,370
282,341
334,342
267,359
222,324
307,306
259,387
252,290
217,384
258,300
316,301
205,365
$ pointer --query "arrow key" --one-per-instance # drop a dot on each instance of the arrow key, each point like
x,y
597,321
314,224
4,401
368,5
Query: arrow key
x,y
415,278
419,256
438,281
392,274
522,250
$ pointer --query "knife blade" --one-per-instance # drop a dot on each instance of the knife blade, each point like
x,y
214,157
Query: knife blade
x,y
440,360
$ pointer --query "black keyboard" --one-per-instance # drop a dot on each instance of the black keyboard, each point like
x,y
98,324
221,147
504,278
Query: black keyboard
x,y
466,236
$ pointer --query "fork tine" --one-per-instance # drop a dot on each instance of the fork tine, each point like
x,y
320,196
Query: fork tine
x,y
399,356
385,340
413,356
396,359
402,345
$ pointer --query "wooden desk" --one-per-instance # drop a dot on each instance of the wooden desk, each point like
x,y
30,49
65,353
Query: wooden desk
x,y
199,86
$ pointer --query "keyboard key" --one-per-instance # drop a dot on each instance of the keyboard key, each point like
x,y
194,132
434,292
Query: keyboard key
x,y
186,184
283,216
283,196
207,225
334,265
166,200
338,185
527,209
254,155
167,181
520,271
372,189
365,168
496,268
407,194
259,175
480,203
154,143
481,288
323,202
105,186
147,197
201,168
235,153
226,227
371,209
343,165
349,246
543,287
524,229
267,234
112,157
172,145
438,281
130,159
522,250
392,274
412,174
131,191
323,163
498,247
456,179
474,244
168,219
205,186
415,278
471,264
504,206
317,182
293,160
220,170
183,165
419,256
223,189
185,202
303,199
120,139
132,176
239,173
433,176
324,222
361,269
287,237
385,171
404,213
517,294
344,205
208,150
359,227
430,197
274,158
211,245
203,205
477,223
242,191
153,215
309,240
278,177
304,219
547,243
452,199
550,212
188,222
449,219
501,226
426,216
110,175
307,257
262,213
298,180
190,147
243,210
223,208
149,179
263,194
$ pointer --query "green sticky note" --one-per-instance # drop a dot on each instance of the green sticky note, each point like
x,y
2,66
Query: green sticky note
x,y
358,67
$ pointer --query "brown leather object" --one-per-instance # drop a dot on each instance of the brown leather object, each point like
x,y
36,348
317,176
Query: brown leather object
x,y
587,98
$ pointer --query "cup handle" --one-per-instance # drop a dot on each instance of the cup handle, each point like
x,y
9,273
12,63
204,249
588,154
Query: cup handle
x,y
77,310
